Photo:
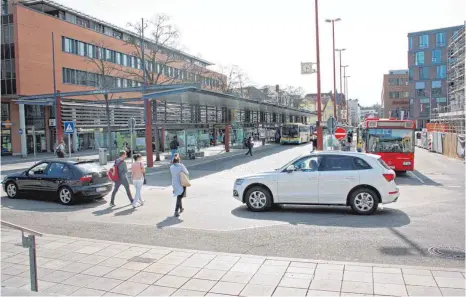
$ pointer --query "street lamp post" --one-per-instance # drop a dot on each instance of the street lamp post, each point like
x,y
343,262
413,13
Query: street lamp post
x,y
346,91
334,68
344,83
319,109
341,78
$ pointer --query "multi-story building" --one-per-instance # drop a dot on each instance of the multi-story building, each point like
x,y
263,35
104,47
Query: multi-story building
x,y
27,67
395,94
427,62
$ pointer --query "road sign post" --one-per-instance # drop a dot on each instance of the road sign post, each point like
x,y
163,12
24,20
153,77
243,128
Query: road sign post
x,y
132,126
68,127
331,124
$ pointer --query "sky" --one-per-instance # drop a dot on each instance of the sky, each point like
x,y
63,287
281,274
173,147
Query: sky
x,y
268,39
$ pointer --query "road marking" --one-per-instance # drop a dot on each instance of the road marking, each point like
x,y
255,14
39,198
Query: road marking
x,y
416,177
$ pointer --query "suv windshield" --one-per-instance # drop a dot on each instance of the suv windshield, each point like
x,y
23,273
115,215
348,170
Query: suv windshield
x,y
290,131
390,141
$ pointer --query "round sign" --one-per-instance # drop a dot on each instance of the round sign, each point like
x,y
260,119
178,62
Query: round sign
x,y
340,133
20,131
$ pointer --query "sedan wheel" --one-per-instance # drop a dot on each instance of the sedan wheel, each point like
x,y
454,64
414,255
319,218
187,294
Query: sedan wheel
x,y
258,199
12,190
65,195
364,201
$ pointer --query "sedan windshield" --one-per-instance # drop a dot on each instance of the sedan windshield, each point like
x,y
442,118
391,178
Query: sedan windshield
x,y
390,141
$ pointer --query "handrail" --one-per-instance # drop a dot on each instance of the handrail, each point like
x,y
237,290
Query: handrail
x,y
23,229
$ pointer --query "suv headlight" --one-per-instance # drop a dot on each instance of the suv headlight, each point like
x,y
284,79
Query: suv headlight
x,y
239,181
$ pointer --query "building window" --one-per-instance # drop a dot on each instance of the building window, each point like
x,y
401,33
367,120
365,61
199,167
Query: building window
x,y
419,58
393,95
441,100
424,73
423,41
420,88
440,39
436,56
118,58
441,71
393,81
5,111
81,48
410,41
436,87
411,73
424,100
117,34
91,51
404,94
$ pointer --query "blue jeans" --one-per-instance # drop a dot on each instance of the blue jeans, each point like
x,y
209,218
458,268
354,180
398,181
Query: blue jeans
x,y
174,151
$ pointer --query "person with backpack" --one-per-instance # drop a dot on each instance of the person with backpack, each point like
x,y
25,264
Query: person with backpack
x,y
249,145
118,174
174,145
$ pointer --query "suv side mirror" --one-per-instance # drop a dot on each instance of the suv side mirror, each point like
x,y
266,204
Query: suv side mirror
x,y
290,168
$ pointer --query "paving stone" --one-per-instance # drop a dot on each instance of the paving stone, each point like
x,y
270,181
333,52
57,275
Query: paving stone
x,y
157,291
328,274
76,267
184,271
300,275
325,266
93,259
257,290
172,260
15,282
321,293
237,277
325,285
416,271
228,288
357,287
302,270
182,292
210,274
121,273
127,254
43,285
160,268
390,289
185,255
358,276
199,285
113,294
420,280
73,257
203,255
255,260
303,265
292,282
196,262
98,270
109,252
53,254
245,267
219,265
130,288
61,289
230,259
266,279
423,291
281,291
354,295
272,269
114,262
17,259
172,281
103,284
145,277
88,292
5,276
451,274
358,268
79,280
90,250
277,262
56,276
386,270
453,292
388,278
449,282
15,269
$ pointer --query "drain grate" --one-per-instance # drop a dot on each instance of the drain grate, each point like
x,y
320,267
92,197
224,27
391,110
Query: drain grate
x,y
447,252
141,260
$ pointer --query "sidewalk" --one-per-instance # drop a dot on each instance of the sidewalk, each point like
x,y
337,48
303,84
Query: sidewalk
x,y
77,266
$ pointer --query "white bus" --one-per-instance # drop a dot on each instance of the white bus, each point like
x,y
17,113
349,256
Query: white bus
x,y
295,133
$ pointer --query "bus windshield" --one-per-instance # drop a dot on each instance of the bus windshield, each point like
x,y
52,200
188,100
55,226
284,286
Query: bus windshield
x,y
390,141
290,131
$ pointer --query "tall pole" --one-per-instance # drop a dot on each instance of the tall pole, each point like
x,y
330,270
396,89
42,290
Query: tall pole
x,y
346,91
334,75
57,106
319,109
147,107
341,80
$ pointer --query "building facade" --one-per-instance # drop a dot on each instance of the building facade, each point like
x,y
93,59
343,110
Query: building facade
x,y
427,63
395,94
354,110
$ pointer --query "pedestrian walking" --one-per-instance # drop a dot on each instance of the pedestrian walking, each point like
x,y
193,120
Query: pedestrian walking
x,y
178,189
174,145
138,178
249,145
60,149
122,169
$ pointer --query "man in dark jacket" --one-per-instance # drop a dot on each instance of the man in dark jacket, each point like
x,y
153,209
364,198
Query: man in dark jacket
x,y
174,145
122,178
249,145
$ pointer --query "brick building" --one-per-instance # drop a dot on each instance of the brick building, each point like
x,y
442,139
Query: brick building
x,y
395,94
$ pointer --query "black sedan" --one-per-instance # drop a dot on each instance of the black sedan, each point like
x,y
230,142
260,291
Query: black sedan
x,y
67,180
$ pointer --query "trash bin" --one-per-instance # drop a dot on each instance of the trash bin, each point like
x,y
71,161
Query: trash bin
x,y
102,156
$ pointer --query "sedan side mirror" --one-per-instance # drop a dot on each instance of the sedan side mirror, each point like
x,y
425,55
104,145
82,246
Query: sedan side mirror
x,y
290,168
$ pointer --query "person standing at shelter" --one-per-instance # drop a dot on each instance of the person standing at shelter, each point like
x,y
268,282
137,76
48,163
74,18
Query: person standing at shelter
x,y
60,150
174,145
122,178
137,175
178,190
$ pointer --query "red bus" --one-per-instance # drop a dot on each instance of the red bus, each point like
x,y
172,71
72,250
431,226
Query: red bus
x,y
393,140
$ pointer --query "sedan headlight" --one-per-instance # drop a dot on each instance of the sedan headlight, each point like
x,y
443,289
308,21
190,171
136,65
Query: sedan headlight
x,y
239,181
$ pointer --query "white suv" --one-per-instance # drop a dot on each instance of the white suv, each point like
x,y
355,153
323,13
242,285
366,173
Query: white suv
x,y
359,180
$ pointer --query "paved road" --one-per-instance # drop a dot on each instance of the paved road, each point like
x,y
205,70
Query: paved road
x,y
430,213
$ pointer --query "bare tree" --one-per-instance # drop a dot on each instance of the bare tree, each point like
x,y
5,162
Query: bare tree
x,y
233,80
295,96
102,76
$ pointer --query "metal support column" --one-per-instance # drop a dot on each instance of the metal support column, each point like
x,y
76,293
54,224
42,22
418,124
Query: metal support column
x,y
22,126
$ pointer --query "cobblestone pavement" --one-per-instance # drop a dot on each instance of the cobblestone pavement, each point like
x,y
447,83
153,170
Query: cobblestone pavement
x,y
84,267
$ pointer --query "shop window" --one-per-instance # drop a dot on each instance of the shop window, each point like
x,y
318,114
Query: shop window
x,y
5,111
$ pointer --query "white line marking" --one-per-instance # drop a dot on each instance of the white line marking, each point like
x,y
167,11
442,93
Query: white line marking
x,y
416,177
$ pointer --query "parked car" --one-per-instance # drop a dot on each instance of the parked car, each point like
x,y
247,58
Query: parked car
x,y
67,180
362,181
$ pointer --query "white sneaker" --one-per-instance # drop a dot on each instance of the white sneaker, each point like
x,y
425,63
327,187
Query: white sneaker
x,y
142,202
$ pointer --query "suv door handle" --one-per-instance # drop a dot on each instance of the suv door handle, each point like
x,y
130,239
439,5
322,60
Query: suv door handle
x,y
350,177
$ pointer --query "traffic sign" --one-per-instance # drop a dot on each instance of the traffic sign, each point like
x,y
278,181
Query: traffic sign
x,y
331,124
69,127
20,131
340,133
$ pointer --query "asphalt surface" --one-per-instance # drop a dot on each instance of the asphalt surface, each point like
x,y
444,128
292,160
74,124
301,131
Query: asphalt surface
x,y
430,213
